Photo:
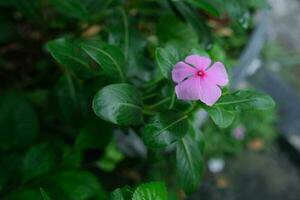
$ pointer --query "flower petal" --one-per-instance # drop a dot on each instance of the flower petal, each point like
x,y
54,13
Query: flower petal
x,y
209,92
200,62
188,89
217,74
182,71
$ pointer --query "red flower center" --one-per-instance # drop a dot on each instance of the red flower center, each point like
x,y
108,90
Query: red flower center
x,y
200,73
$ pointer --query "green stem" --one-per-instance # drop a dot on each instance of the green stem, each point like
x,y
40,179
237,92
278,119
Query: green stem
x,y
172,101
149,96
160,102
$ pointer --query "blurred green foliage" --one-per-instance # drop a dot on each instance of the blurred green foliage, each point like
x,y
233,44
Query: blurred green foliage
x,y
76,72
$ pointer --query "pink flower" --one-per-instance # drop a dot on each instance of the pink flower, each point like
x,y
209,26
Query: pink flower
x,y
196,80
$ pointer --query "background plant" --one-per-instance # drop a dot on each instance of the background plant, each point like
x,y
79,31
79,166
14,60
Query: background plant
x,y
75,73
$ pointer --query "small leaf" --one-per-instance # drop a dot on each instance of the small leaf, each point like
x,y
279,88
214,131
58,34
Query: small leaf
x,y
150,191
37,161
189,164
222,117
205,6
165,129
111,158
246,100
119,104
109,57
71,57
121,194
44,194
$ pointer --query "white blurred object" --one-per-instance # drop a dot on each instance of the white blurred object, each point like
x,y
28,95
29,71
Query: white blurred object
x,y
216,165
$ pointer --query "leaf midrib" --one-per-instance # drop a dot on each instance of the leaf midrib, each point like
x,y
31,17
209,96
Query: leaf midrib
x,y
235,101
188,155
171,124
118,67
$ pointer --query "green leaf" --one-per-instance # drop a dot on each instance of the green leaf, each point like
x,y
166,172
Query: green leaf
x,y
151,191
74,185
72,8
109,57
37,161
91,136
120,104
222,117
18,122
171,28
246,100
44,194
111,158
121,194
189,164
165,60
165,129
205,6
71,57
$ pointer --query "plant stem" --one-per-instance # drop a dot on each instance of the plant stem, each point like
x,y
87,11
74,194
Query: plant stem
x,y
159,103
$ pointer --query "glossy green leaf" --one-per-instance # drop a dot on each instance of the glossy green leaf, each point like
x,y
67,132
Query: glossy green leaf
x,y
109,57
165,129
119,104
121,194
246,100
71,57
165,60
205,6
72,8
150,191
18,122
222,117
189,163
38,160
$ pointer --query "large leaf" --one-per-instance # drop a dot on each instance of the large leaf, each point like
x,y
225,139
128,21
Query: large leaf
x,y
222,117
109,57
71,57
189,164
246,100
119,103
150,191
165,129
38,160
165,60
18,122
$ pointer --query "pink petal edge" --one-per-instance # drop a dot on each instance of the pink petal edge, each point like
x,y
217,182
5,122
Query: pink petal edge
x,y
182,71
200,62
189,89
217,74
